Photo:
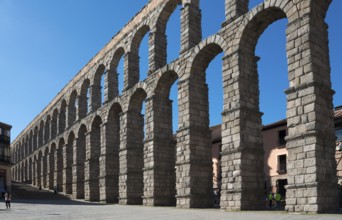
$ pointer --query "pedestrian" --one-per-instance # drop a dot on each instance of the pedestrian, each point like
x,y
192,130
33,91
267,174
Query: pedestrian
x,y
270,199
55,189
277,198
8,199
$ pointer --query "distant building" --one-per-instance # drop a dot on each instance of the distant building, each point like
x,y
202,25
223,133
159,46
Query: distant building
x,y
275,154
5,158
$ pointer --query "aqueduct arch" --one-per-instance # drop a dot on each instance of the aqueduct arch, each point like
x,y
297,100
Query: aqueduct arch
x,y
108,151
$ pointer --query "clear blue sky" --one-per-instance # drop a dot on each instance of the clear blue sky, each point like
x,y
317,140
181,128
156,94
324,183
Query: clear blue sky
x,y
43,44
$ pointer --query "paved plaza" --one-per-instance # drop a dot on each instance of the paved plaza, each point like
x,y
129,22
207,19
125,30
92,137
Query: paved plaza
x,y
53,209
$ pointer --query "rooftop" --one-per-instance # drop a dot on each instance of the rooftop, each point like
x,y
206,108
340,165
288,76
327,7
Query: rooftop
x,y
3,125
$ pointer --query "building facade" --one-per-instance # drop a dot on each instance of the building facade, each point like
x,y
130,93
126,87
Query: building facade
x,y
106,150
275,154
5,159
274,137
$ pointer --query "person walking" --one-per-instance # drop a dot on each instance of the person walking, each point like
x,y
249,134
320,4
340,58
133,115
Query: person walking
x,y
270,199
8,199
277,198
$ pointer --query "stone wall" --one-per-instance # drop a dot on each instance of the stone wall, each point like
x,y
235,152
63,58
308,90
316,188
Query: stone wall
x,y
105,150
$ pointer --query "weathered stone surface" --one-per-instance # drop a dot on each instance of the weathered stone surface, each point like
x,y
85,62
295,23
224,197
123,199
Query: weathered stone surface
x,y
105,150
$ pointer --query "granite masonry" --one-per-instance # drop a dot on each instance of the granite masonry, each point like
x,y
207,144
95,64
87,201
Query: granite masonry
x,y
107,151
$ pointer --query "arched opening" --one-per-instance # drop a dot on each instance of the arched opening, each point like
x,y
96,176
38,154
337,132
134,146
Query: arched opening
x,y
25,171
121,75
72,108
173,33
144,56
104,89
68,162
25,143
272,67
116,74
39,169
214,79
242,137
83,106
31,142
59,166
80,153
47,129
18,153
15,154
162,143
16,172
34,171
261,91
204,87
51,160
20,172
166,41
133,178
41,134
30,172
174,98
24,179
45,168
35,138
54,123
92,162
98,88
112,152
62,117
138,57
21,151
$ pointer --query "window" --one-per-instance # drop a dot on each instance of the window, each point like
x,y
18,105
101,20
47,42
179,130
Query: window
x,y
338,133
7,133
281,137
282,164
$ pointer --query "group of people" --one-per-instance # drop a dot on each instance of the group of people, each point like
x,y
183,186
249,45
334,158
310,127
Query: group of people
x,y
273,198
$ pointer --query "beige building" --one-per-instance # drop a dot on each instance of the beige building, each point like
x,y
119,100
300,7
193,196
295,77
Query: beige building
x,y
275,153
5,159
275,156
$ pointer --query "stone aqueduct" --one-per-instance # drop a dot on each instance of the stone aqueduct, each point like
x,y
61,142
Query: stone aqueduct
x,y
98,152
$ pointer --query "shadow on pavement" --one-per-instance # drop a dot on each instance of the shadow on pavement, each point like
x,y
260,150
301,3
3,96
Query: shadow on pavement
x,y
24,193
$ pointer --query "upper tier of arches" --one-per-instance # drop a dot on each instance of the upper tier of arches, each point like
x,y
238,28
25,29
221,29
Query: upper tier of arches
x,y
82,97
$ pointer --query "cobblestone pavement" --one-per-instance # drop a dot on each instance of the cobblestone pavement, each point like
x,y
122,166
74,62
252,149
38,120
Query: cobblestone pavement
x,y
52,209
